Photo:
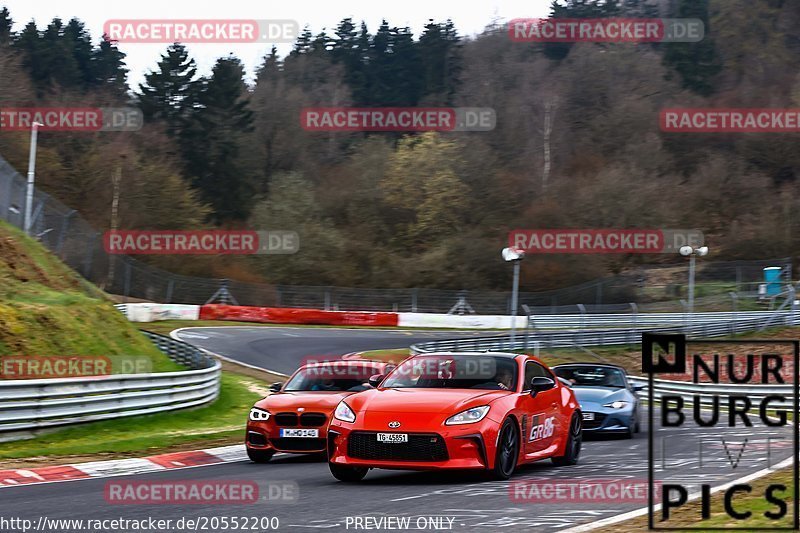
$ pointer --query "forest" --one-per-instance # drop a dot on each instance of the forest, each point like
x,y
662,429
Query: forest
x,y
577,144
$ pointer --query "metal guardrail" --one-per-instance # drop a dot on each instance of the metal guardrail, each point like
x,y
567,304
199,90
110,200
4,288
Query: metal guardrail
x,y
44,403
713,326
706,392
621,335
633,320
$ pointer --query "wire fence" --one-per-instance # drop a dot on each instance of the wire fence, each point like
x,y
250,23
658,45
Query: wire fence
x,y
719,286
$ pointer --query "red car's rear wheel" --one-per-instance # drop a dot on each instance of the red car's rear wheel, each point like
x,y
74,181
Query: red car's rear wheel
x,y
573,448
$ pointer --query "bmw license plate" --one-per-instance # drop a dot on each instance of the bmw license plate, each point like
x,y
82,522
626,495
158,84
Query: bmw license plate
x,y
301,433
393,437
588,416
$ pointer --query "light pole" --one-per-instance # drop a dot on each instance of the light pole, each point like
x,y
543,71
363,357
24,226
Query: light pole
x,y
26,224
692,253
514,255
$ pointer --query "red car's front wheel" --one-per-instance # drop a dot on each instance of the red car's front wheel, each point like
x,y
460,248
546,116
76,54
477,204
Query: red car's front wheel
x,y
505,461
348,473
260,456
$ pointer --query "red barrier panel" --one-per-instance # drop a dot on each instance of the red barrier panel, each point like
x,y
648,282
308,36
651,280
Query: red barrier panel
x,y
280,315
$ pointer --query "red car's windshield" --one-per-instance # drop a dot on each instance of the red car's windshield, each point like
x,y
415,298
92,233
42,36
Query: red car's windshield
x,y
455,372
337,378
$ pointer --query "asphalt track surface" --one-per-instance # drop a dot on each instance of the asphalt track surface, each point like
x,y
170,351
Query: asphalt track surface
x,y
461,501
284,349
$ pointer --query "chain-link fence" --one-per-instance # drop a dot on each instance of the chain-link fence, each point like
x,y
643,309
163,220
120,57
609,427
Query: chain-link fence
x,y
719,285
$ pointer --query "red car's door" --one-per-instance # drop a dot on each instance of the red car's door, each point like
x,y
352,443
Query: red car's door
x,y
541,424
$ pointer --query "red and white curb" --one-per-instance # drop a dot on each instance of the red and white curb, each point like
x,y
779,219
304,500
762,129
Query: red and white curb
x,y
122,467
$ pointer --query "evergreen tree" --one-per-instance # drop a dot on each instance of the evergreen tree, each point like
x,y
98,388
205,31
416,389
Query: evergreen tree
x,y
350,49
271,67
77,39
169,91
439,50
214,143
303,44
577,9
29,45
6,23
58,61
108,68
696,63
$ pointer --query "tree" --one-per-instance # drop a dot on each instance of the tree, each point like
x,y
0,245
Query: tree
x,y
439,48
577,9
423,187
169,91
293,206
77,40
696,63
108,68
6,23
214,143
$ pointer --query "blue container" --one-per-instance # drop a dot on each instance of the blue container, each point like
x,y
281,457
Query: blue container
x,y
772,276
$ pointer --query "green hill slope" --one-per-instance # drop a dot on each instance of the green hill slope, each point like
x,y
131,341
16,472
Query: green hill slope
x,y
46,309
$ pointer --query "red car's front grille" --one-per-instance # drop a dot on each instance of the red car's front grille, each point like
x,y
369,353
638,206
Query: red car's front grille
x,y
420,447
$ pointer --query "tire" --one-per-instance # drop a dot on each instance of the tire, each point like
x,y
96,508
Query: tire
x,y
573,448
260,456
507,455
348,474
637,428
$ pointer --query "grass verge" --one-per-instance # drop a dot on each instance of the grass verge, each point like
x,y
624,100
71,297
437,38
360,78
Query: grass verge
x,y
222,422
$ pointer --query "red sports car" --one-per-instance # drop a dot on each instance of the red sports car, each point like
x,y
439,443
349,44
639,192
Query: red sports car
x,y
488,411
295,417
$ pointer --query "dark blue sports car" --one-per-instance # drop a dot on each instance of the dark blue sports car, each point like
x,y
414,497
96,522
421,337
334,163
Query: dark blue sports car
x,y
608,400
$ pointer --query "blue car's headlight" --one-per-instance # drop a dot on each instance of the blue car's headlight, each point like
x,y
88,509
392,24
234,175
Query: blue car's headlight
x,y
618,404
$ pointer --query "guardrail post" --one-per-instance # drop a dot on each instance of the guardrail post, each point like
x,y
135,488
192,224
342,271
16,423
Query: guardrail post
x,y
685,317
735,300
635,311
414,296
792,295
582,311
328,299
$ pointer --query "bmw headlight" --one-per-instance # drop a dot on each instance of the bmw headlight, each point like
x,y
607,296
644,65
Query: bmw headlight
x,y
618,404
258,415
344,413
469,416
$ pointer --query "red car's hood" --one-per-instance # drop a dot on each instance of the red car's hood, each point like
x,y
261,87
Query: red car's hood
x,y
319,401
431,401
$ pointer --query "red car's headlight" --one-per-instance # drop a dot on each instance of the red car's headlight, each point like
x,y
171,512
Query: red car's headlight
x,y
344,413
258,415
469,416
